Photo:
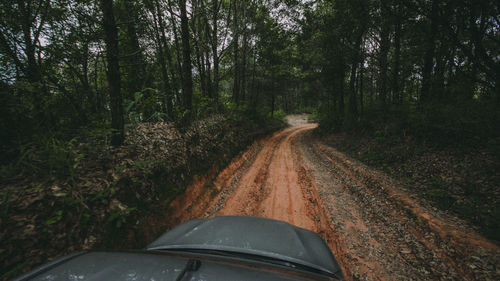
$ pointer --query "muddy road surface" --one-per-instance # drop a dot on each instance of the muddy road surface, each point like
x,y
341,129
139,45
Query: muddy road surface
x,y
374,227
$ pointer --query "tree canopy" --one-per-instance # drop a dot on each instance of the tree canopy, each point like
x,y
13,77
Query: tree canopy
x,y
67,65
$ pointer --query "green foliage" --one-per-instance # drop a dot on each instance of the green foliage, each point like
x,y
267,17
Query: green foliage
x,y
204,106
480,213
376,159
437,124
147,106
439,193
314,115
55,219
457,123
102,197
279,115
51,156
312,110
476,206
441,197
329,122
118,217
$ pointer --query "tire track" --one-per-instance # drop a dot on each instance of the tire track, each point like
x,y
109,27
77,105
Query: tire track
x,y
381,223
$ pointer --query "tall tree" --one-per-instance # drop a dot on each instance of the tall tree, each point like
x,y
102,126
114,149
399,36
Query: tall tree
x,y
21,26
429,52
214,44
397,95
360,15
135,62
163,53
187,77
384,50
113,73
236,51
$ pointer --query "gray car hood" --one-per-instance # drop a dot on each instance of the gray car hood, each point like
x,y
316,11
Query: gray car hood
x,y
252,236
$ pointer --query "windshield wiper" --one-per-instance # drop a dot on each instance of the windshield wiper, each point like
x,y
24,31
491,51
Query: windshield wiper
x,y
191,265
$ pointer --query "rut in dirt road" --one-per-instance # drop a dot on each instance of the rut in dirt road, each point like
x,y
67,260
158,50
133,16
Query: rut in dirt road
x,y
375,230
271,187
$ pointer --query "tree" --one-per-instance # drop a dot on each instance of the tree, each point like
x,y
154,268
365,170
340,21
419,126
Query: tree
x,y
132,49
113,73
384,50
429,52
187,80
346,59
22,23
163,53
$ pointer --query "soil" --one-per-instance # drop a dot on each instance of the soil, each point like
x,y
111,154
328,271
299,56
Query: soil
x,y
376,228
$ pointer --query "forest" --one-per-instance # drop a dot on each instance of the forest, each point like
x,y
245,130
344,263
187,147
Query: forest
x,y
69,65
77,77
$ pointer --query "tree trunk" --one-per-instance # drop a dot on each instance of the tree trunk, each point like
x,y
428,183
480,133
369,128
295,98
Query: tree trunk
x,y
341,78
162,49
361,77
113,73
332,97
87,89
32,71
136,64
215,12
372,84
353,107
176,41
429,54
397,95
97,104
253,92
236,68
384,50
438,80
206,50
187,81
208,70
200,63
244,64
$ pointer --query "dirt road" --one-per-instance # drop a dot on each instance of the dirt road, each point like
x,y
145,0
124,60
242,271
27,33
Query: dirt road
x,y
374,228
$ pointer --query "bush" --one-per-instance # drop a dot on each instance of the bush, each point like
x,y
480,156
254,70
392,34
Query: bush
x,y
50,156
279,115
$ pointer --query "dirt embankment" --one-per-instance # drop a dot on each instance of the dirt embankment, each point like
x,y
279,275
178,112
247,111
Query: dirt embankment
x,y
111,197
372,225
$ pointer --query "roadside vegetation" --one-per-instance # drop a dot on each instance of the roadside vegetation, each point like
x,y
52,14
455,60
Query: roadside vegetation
x,y
412,88
456,174
109,109
67,196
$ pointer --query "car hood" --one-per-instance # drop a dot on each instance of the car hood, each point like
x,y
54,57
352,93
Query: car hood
x,y
251,236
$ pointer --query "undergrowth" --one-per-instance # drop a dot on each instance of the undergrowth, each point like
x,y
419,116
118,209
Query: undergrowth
x,y
449,154
64,194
